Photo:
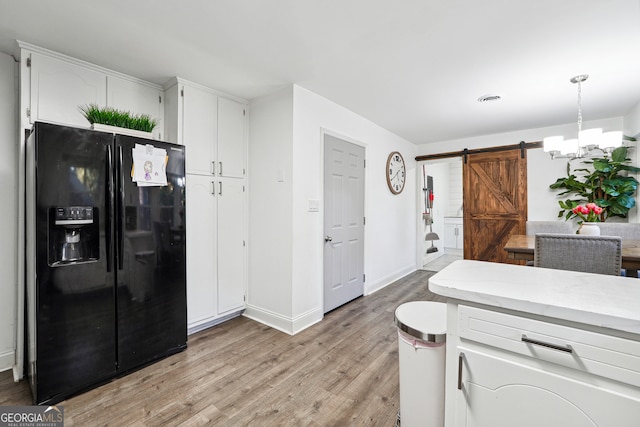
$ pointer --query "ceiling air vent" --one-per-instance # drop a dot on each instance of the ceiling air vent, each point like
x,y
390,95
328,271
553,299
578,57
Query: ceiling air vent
x,y
489,98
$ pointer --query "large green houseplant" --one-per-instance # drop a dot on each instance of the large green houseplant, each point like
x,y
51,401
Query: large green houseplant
x,y
604,181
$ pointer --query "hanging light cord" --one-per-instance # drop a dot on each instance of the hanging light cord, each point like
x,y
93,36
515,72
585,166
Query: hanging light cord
x,y
579,106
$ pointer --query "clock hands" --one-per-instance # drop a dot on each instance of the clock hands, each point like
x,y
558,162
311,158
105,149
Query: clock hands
x,y
396,174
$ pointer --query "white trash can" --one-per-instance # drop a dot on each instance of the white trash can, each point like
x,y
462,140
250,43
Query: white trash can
x,y
422,334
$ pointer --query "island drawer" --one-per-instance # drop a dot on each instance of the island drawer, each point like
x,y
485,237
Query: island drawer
x,y
593,352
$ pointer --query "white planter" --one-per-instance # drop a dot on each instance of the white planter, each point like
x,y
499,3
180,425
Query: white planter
x,y
589,229
121,131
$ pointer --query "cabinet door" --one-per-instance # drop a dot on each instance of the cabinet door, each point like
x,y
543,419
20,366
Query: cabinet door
x,y
58,88
201,249
231,253
136,98
231,153
499,392
199,129
450,235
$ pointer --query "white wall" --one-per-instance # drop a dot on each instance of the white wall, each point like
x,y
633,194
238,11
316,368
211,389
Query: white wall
x,y
541,170
632,122
270,209
9,197
390,242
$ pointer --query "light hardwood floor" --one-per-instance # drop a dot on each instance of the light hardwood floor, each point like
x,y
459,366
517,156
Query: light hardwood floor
x,y
342,371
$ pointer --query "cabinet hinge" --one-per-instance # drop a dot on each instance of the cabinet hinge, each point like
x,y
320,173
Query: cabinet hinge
x,y
243,190
244,244
364,278
29,62
244,171
159,99
182,92
244,112
364,220
28,112
364,163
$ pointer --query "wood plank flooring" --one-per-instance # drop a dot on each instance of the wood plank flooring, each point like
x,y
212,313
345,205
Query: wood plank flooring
x,y
342,371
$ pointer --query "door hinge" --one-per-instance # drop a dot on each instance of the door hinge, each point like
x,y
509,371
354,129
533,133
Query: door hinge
x,y
244,112
364,278
29,62
244,244
159,99
364,220
182,92
364,163
28,112
243,190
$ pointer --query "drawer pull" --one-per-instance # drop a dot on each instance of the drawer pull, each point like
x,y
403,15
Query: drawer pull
x,y
566,349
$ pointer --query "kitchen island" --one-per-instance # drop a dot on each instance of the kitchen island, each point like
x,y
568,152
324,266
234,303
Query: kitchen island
x,y
532,346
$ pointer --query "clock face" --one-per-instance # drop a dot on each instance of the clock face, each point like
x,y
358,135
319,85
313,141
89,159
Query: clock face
x,y
396,172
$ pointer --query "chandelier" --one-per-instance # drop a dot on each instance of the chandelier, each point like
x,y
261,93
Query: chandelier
x,y
587,140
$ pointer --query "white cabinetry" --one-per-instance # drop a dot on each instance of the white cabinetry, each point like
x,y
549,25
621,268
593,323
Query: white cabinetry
x,y
55,86
129,95
231,147
515,370
201,249
58,87
212,128
453,233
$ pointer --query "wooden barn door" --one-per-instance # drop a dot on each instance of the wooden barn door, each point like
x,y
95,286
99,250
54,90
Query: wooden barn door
x,y
495,202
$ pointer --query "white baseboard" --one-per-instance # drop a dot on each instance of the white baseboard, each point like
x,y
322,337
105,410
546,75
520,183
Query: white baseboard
x,y
7,360
288,325
199,326
370,288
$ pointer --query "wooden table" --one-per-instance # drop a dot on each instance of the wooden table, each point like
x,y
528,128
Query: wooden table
x,y
522,247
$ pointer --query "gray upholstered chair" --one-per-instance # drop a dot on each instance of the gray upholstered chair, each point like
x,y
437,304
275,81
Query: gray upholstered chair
x,y
628,231
577,252
534,227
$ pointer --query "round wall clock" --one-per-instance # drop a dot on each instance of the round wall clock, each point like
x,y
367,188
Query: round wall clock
x,y
396,172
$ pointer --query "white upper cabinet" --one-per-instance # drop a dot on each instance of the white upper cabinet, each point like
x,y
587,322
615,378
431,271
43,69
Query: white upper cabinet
x,y
199,129
231,124
137,98
58,88
59,85
211,126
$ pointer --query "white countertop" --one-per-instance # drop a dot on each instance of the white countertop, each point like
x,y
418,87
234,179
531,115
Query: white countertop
x,y
594,299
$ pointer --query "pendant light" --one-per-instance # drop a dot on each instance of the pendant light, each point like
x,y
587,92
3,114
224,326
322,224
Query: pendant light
x,y
587,140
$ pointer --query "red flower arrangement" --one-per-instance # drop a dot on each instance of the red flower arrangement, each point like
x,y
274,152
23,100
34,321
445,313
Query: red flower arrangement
x,y
588,213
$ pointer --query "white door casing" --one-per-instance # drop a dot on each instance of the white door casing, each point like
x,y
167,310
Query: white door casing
x,y
343,222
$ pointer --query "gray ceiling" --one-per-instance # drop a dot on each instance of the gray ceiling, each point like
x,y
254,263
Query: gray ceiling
x,y
415,67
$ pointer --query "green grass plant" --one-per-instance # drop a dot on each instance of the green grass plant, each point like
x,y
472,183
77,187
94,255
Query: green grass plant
x,y
119,118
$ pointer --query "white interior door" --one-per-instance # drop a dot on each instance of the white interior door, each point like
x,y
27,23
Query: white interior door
x,y
343,222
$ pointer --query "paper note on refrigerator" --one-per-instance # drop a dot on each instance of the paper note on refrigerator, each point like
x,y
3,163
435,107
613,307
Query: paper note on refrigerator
x,y
149,165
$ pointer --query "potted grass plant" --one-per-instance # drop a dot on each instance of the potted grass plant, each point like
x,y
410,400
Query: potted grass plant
x,y
118,121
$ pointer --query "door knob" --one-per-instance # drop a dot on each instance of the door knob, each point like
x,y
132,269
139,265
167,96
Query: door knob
x,y
328,238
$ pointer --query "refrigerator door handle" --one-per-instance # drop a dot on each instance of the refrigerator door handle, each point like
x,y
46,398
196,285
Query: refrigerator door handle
x,y
109,209
120,210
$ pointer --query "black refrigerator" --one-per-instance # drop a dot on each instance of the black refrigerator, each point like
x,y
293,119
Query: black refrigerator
x,y
106,276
